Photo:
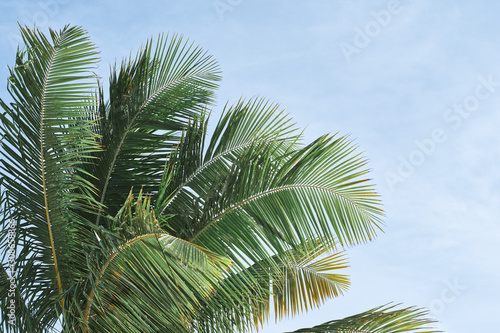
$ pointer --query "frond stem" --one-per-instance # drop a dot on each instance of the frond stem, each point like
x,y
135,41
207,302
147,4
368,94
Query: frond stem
x,y
42,113
268,192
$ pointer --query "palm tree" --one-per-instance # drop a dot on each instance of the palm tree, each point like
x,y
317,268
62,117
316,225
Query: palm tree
x,y
129,219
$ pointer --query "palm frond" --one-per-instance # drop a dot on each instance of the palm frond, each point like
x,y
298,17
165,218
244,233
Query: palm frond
x,y
152,99
299,281
46,137
246,122
153,281
307,281
384,319
314,192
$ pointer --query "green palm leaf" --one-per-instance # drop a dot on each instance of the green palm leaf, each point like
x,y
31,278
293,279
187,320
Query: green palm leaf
x,y
152,99
300,280
150,280
315,192
384,319
240,127
307,281
46,136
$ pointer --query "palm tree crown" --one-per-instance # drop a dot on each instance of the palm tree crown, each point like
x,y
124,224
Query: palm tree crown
x,y
130,219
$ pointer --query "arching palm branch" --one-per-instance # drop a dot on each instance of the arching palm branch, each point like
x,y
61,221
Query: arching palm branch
x,y
130,219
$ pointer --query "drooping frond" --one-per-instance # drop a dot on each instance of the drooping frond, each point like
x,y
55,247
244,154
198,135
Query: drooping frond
x,y
315,192
307,281
299,281
384,319
311,191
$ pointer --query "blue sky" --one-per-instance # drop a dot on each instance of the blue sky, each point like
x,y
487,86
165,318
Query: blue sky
x,y
415,83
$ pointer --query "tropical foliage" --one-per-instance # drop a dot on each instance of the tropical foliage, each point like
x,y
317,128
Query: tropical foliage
x,y
129,218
